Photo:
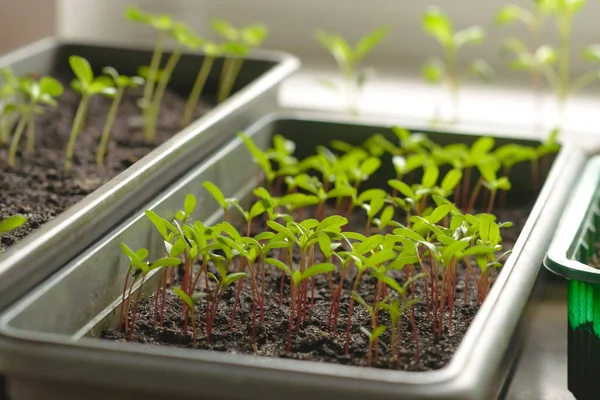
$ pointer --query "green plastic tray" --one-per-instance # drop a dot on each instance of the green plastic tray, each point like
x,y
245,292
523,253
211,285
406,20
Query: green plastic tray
x,y
573,246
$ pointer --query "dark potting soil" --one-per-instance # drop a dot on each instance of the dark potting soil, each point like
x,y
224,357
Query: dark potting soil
x,y
315,341
40,189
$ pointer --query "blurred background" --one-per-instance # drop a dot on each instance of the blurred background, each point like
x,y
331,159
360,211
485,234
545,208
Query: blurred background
x,y
398,89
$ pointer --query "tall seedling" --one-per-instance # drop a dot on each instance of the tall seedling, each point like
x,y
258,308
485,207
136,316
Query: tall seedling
x,y
185,38
88,86
121,83
211,50
37,94
447,70
163,24
10,95
556,63
533,57
240,43
348,60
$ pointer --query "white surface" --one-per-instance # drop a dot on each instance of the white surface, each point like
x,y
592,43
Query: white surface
x,y
406,95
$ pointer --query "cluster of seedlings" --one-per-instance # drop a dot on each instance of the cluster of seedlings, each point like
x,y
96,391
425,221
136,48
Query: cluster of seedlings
x,y
24,98
316,225
544,62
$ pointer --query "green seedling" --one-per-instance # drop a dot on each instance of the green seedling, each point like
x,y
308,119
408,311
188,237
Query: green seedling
x,y
219,197
10,224
88,86
121,83
138,266
211,51
447,69
396,307
11,96
348,59
533,57
163,24
184,38
373,336
190,302
240,42
260,158
297,278
224,280
38,94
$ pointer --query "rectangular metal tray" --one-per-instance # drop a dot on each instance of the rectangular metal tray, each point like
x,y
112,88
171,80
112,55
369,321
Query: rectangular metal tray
x,y
45,353
60,239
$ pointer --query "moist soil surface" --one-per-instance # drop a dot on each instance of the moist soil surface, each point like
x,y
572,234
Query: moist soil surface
x,y
315,341
40,188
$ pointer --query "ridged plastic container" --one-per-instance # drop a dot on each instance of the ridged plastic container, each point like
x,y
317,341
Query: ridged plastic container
x,y
573,248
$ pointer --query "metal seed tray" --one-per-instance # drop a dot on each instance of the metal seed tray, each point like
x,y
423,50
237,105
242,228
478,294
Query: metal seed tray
x,y
46,354
62,238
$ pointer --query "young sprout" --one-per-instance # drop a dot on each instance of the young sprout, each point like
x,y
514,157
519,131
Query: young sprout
x,y
533,58
185,38
10,224
373,336
564,12
297,278
447,70
348,60
223,281
240,43
396,307
121,82
10,94
38,94
219,197
163,24
260,158
190,302
138,266
211,51
88,86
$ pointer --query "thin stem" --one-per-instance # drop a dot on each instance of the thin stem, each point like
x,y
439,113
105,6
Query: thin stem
x,y
161,87
229,78
30,148
110,119
152,73
474,195
14,144
197,90
135,308
77,128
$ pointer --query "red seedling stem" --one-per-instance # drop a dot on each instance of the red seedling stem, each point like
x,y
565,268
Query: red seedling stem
x,y
474,196
291,318
123,314
415,334
135,308
466,182
210,318
128,304
156,296
241,262
350,309
262,296
164,294
490,206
